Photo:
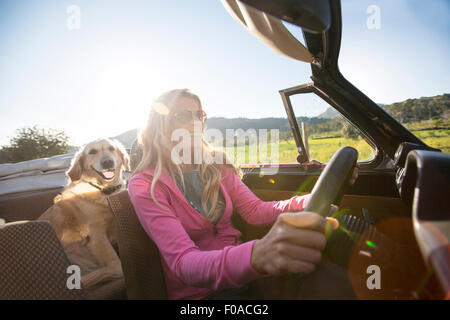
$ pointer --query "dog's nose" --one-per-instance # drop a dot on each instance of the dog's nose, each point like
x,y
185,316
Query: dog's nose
x,y
107,163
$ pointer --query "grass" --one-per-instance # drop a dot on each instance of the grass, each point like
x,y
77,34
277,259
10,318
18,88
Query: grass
x,y
439,138
322,149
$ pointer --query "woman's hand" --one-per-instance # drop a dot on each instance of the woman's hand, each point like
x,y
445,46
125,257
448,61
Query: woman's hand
x,y
293,244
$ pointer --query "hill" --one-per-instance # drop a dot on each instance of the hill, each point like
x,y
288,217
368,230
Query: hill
x,y
127,138
330,113
425,108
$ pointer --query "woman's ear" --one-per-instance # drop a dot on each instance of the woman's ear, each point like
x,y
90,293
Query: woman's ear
x,y
124,155
76,167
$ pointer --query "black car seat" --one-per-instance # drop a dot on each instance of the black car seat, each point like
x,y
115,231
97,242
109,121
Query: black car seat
x,y
33,264
139,255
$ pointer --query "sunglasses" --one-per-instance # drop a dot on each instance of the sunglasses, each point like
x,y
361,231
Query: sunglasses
x,y
185,116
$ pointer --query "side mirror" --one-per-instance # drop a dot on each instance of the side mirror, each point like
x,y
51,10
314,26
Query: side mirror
x,y
311,15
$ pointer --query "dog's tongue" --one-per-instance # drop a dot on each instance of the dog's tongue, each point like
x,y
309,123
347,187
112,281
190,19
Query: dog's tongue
x,y
108,174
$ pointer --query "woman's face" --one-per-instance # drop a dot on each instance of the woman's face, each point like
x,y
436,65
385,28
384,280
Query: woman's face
x,y
185,113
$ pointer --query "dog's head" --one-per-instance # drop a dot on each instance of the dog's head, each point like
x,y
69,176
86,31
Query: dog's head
x,y
100,162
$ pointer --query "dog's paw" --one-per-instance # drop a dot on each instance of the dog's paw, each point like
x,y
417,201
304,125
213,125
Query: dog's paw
x,y
100,276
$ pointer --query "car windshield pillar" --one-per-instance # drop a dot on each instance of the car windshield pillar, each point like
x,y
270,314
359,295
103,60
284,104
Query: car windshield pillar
x,y
285,96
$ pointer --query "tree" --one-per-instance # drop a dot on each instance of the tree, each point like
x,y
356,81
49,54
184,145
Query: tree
x,y
349,131
34,143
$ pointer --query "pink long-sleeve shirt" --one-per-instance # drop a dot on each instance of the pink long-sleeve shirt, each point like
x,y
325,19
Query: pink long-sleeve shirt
x,y
197,258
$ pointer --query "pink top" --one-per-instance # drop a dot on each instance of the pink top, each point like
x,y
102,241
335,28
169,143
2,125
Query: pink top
x,y
197,258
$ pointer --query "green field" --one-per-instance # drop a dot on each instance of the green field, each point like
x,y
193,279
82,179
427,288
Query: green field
x,y
322,149
439,138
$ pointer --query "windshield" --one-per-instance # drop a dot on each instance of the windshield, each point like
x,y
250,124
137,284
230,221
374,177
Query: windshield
x,y
324,130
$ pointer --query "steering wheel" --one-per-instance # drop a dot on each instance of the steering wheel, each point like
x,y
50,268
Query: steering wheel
x,y
332,180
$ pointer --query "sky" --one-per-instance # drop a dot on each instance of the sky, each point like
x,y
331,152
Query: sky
x,y
100,79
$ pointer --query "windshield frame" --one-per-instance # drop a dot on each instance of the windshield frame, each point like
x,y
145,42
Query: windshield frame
x,y
310,88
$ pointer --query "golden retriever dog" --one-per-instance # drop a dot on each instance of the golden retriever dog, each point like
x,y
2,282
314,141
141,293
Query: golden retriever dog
x,y
81,216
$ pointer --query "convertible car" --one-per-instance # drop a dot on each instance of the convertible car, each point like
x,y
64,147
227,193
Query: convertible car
x,y
394,221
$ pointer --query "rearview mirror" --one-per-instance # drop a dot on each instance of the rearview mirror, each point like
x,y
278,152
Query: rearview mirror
x,y
311,15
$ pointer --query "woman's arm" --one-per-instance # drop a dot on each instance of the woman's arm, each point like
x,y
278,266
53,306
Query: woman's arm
x,y
254,210
216,269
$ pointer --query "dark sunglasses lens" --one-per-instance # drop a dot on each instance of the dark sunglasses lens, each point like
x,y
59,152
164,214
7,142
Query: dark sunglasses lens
x,y
184,116
187,115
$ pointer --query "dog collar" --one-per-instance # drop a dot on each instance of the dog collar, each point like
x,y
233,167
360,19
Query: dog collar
x,y
107,191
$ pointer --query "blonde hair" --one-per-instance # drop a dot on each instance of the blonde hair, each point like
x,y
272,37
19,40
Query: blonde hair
x,y
156,144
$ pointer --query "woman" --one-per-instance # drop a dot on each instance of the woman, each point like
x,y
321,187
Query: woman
x,y
186,209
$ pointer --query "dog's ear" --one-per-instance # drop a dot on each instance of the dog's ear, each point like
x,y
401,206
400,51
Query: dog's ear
x,y
76,167
124,154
